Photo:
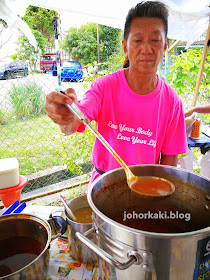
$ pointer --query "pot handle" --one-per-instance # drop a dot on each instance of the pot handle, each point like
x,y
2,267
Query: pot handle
x,y
133,256
60,222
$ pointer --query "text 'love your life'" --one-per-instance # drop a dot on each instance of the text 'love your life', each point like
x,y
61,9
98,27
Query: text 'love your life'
x,y
134,139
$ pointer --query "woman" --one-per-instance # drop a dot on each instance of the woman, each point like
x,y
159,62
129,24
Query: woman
x,y
137,113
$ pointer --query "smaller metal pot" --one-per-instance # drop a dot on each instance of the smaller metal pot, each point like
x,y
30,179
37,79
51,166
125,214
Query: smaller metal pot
x,y
28,226
78,250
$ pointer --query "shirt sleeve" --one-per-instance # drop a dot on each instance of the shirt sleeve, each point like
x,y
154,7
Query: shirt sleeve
x,y
175,141
90,105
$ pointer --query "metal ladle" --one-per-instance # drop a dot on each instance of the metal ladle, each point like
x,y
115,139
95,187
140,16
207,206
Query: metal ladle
x,y
147,186
68,210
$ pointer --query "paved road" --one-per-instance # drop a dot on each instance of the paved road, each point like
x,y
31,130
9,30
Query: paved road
x,y
47,81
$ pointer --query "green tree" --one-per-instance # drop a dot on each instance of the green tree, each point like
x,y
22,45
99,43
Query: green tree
x,y
115,61
184,72
27,52
110,39
42,20
81,43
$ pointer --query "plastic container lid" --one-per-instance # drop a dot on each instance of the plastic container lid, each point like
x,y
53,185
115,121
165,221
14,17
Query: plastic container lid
x,y
8,165
9,173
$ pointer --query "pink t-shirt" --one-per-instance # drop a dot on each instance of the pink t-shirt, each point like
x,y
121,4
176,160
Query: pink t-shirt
x,y
138,127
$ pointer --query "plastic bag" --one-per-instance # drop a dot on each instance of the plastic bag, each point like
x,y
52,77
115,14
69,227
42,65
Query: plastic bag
x,y
188,161
205,165
189,121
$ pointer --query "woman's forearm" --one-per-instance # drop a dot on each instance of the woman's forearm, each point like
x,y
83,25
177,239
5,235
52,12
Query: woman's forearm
x,y
202,109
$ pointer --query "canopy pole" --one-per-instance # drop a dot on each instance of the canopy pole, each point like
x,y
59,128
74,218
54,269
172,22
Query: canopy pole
x,y
173,45
200,72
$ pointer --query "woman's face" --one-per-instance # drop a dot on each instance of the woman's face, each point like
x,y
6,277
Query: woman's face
x,y
145,45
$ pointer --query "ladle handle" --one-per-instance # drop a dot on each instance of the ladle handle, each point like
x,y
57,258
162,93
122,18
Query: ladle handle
x,y
107,145
68,210
78,113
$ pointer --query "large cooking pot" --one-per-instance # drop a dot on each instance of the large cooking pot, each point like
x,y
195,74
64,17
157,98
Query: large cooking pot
x,y
24,246
181,250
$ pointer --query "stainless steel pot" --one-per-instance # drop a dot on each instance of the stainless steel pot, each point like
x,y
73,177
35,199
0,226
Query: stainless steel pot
x,y
25,225
128,253
78,250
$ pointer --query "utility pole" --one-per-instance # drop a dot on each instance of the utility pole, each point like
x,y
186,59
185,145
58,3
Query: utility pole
x,y
55,23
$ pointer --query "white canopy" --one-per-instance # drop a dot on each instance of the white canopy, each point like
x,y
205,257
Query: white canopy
x,y
188,19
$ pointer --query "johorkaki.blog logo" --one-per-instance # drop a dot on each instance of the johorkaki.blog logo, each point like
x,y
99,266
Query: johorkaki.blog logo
x,y
165,215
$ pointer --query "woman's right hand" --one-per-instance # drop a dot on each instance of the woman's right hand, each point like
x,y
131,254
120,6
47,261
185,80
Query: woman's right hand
x,y
57,111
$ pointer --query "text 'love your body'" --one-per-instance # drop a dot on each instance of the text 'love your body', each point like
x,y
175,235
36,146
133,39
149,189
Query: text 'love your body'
x,y
134,139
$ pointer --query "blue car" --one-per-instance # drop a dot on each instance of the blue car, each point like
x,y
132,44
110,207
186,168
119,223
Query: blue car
x,y
71,70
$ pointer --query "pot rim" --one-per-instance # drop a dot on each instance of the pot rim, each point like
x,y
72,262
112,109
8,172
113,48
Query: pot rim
x,y
29,217
137,231
66,215
74,222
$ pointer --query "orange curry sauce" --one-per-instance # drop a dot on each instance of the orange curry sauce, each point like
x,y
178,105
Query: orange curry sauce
x,y
153,187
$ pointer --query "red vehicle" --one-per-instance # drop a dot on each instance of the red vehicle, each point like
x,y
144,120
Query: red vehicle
x,y
46,61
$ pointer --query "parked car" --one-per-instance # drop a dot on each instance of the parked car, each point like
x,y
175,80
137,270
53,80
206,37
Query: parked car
x,y
12,69
71,70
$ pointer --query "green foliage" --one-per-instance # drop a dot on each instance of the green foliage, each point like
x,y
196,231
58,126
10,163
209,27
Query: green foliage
x,y
96,72
40,22
32,142
38,144
81,43
184,72
110,39
4,117
27,99
115,61
27,52
41,19
79,151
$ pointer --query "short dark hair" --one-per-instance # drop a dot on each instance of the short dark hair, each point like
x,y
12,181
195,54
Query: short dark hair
x,y
147,9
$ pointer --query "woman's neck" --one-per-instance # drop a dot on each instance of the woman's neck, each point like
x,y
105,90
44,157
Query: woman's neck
x,y
141,83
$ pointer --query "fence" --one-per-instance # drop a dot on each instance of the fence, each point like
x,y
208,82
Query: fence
x,y
45,155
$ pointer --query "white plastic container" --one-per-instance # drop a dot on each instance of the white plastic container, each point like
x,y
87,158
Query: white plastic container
x,y
9,173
